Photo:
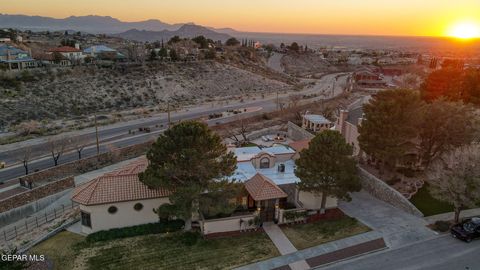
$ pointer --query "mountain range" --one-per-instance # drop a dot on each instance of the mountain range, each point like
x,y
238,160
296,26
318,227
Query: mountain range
x,y
185,31
108,25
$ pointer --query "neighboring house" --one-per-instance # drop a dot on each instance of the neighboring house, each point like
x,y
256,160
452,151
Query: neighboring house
x,y
315,122
103,52
15,59
119,199
52,59
368,79
71,53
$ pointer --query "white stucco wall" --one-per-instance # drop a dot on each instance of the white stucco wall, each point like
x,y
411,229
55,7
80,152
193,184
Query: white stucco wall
x,y
125,216
230,224
314,202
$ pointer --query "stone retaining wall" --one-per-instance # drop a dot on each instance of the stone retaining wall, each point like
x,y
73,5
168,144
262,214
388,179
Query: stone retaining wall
x,y
84,165
297,133
384,192
36,194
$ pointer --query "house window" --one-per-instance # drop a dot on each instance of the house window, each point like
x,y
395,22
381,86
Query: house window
x,y
86,221
264,163
138,206
112,209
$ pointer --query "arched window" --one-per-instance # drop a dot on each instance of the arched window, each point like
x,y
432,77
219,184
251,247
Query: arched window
x,y
264,163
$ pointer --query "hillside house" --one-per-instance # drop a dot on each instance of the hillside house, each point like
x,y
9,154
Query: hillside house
x,y
70,53
119,199
15,59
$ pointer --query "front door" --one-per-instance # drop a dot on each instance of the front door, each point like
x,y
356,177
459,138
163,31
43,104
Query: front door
x,y
267,212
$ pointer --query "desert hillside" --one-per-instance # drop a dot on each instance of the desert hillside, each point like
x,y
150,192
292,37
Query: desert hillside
x,y
69,93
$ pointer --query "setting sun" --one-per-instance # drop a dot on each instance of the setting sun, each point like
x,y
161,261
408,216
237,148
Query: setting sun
x,y
465,30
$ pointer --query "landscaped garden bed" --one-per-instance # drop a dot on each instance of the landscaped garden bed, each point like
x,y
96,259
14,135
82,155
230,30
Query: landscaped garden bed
x,y
177,250
428,205
312,234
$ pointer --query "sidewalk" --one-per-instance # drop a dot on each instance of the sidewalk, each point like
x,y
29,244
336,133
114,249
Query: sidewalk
x,y
284,245
361,242
451,215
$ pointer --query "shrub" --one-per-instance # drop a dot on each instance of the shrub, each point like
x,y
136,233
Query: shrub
x,y
442,226
151,228
189,238
392,181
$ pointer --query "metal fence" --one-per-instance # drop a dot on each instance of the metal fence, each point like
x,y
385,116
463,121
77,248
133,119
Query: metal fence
x,y
36,221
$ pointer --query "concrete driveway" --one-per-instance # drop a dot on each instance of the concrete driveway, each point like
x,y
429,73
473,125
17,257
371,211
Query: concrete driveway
x,y
397,227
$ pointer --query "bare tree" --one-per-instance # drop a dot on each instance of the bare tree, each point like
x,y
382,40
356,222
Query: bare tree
x,y
57,147
455,178
294,100
79,144
25,157
238,131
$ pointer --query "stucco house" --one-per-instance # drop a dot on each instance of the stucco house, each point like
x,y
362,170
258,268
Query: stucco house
x,y
71,53
16,59
119,199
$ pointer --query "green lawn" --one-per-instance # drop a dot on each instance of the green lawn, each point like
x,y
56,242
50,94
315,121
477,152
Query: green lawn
x,y
163,251
428,205
60,249
312,234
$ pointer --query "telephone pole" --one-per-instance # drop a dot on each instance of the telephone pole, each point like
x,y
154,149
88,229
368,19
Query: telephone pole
x,y
168,114
96,134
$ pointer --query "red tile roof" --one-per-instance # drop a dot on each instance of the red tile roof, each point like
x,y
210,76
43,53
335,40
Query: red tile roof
x,y
262,188
64,49
300,145
118,186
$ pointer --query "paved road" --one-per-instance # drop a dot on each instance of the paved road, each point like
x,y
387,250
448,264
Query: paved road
x,y
118,134
444,253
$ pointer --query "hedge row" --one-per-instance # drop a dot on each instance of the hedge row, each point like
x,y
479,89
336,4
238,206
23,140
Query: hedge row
x,y
151,228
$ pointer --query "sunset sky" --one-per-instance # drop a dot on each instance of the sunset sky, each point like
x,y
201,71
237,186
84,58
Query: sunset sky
x,y
366,17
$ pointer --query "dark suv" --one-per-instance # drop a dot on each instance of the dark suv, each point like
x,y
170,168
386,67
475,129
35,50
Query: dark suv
x,y
468,230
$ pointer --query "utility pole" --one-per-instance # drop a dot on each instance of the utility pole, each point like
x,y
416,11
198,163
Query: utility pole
x,y
278,102
168,114
96,134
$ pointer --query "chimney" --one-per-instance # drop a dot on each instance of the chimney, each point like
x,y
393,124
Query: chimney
x,y
341,121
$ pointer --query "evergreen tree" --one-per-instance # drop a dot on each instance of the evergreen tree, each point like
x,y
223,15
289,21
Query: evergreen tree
x,y
187,159
327,167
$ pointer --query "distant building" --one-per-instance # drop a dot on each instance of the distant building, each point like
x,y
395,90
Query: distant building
x,y
15,59
103,52
316,123
74,54
52,59
368,79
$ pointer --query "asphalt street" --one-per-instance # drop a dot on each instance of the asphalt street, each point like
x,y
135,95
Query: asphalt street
x,y
118,135
442,253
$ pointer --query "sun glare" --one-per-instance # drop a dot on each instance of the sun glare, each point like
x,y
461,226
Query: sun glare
x,y
465,30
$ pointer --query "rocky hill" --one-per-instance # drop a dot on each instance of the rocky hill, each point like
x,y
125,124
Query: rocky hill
x,y
70,93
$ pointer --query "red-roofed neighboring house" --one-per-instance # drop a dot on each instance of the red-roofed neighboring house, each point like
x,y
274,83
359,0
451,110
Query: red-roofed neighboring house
x,y
118,199
74,54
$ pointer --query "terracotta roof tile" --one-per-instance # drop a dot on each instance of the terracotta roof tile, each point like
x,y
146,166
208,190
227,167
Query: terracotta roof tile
x,y
262,188
300,145
118,186
64,49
